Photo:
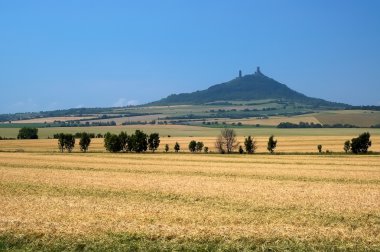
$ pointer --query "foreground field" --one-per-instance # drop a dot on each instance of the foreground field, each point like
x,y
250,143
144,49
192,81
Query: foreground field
x,y
195,202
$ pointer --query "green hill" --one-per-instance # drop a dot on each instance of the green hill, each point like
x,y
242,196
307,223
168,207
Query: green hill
x,y
255,86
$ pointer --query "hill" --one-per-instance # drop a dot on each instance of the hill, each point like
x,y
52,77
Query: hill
x,y
255,86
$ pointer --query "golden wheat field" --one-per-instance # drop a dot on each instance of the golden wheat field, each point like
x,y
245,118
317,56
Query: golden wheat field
x,y
187,202
286,144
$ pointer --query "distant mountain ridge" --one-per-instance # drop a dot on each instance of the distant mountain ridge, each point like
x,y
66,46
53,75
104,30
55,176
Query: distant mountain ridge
x,y
255,86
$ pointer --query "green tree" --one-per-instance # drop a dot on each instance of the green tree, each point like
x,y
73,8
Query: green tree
x,y
140,143
112,143
319,148
199,146
347,146
153,141
272,144
123,137
177,147
192,146
27,133
61,141
69,142
361,143
250,145
84,141
106,138
166,147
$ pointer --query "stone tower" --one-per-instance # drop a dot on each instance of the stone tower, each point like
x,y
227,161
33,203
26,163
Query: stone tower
x,y
258,70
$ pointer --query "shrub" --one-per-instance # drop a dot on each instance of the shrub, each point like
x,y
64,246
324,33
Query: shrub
x,y
241,151
205,150
319,148
166,147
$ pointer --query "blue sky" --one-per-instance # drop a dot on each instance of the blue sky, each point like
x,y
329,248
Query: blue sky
x,y
65,54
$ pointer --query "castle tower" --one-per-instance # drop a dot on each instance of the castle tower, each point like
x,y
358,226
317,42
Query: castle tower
x,y
258,70
240,74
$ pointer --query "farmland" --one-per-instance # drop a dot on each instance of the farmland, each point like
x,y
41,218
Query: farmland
x,y
295,200
194,131
54,201
286,144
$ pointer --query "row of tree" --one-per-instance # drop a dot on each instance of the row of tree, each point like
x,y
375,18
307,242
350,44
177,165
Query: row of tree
x,y
357,145
305,125
137,142
227,142
67,142
79,135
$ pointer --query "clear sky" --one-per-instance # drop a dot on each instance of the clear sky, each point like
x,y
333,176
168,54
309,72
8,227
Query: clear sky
x,y
65,54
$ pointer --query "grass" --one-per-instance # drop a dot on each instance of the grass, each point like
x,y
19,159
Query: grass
x,y
177,202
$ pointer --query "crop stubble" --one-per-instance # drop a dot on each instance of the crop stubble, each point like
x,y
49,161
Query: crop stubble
x,y
300,198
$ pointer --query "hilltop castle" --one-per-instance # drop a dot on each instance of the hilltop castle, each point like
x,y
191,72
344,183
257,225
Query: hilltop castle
x,y
258,72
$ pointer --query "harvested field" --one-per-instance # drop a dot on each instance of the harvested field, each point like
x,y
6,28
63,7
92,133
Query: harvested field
x,y
56,201
354,117
271,121
53,119
286,144
194,131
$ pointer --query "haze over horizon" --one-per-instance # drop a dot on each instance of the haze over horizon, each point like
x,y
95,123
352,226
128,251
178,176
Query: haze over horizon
x,y
57,55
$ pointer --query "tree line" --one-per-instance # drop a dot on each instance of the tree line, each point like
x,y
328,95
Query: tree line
x,y
306,125
227,142
67,142
138,142
79,135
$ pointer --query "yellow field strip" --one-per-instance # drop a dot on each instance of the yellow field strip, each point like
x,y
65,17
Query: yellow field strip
x,y
285,144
